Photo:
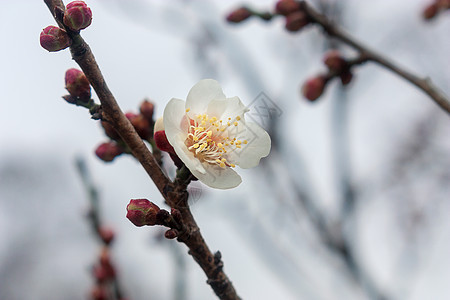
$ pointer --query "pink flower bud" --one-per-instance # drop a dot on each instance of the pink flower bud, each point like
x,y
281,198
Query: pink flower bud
x,y
77,15
142,212
106,234
147,109
108,151
334,61
313,88
430,11
162,142
54,39
286,7
78,85
141,124
296,21
239,15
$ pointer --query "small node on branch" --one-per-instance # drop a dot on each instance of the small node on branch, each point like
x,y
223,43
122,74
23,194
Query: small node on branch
x,y
78,85
335,62
54,39
239,15
108,151
77,16
99,292
313,88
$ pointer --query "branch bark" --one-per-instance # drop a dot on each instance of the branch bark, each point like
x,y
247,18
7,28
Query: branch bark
x,y
332,30
174,193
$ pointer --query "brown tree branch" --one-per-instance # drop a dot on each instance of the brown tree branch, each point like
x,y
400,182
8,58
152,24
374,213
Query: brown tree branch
x,y
174,193
332,30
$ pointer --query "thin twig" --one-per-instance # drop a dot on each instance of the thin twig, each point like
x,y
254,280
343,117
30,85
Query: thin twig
x,y
333,30
174,193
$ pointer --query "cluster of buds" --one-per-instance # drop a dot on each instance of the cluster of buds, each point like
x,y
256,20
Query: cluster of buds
x,y
293,12
104,274
337,66
77,16
433,9
142,212
295,17
143,124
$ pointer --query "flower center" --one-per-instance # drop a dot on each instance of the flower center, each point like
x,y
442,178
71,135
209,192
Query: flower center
x,y
210,139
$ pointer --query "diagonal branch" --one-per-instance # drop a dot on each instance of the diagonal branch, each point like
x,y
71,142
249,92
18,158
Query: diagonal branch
x,y
174,193
332,30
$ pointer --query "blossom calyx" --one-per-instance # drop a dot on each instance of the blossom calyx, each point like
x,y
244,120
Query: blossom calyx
x,y
78,85
314,87
77,15
54,39
286,7
142,212
108,151
239,15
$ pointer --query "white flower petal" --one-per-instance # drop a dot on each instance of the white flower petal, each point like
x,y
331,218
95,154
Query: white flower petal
x,y
174,114
201,94
217,177
226,108
258,146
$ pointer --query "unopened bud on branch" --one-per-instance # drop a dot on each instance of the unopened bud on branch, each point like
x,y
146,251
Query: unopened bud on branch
x,y
313,88
77,15
108,151
142,212
147,108
296,21
140,124
335,62
78,85
239,15
54,39
286,7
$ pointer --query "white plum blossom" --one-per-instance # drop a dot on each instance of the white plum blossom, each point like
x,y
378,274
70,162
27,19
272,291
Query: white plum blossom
x,y
210,135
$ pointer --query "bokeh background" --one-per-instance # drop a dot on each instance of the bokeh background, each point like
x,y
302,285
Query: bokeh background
x,y
352,202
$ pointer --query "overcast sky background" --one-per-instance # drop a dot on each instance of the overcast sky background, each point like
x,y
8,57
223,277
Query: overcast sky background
x,y
159,50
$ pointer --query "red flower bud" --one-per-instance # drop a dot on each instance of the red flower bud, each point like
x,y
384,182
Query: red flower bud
x,y
296,21
334,61
78,85
346,77
286,7
109,130
141,124
313,88
239,15
108,151
99,292
430,11
171,234
77,15
142,212
162,143
443,4
54,39
147,109
106,234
